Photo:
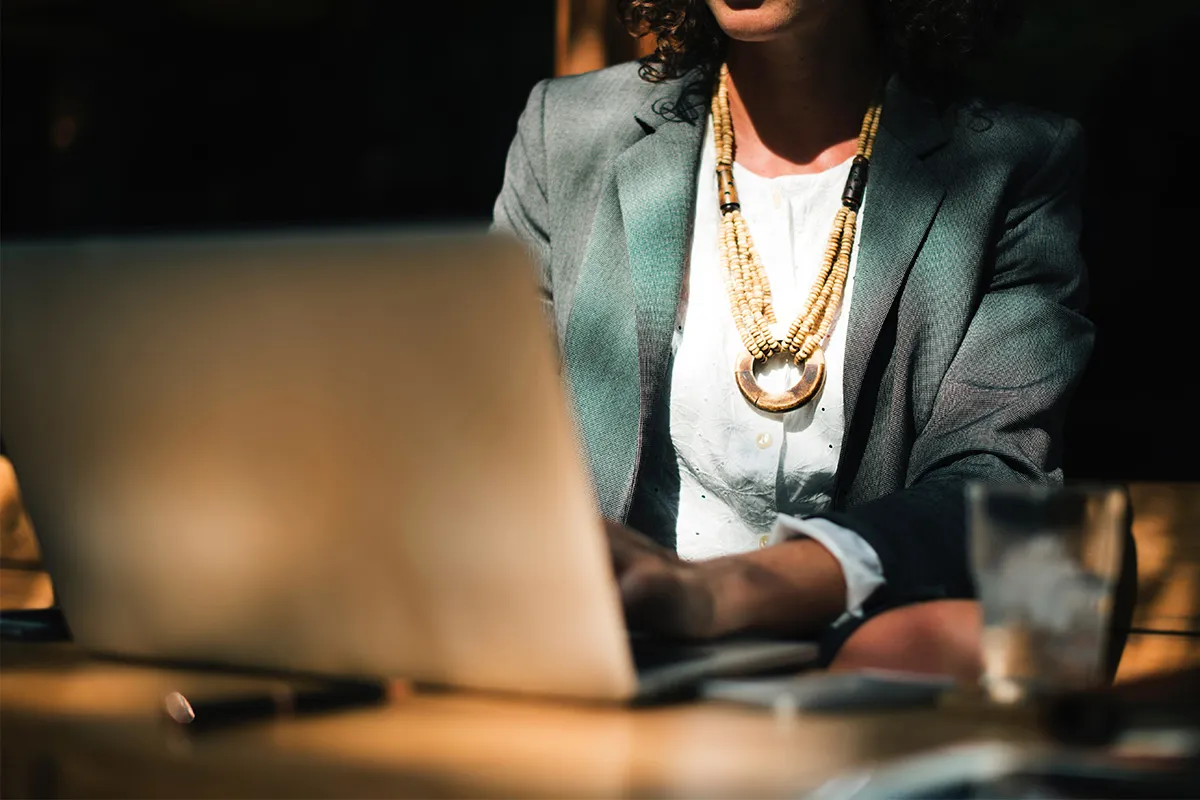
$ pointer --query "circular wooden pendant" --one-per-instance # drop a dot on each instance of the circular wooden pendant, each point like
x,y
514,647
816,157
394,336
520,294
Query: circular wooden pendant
x,y
809,384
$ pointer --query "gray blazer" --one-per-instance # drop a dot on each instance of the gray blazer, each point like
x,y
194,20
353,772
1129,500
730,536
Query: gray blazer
x,y
964,339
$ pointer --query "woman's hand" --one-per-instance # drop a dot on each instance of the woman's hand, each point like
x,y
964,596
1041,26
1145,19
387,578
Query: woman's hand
x,y
794,588
661,593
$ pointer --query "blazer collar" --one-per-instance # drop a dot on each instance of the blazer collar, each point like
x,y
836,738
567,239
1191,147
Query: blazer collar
x,y
902,198
656,186
656,179
655,189
634,260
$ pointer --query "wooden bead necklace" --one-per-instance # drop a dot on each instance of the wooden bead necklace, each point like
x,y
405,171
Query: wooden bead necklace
x,y
746,280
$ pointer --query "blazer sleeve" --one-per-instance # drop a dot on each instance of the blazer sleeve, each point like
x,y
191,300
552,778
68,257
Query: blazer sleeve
x,y
1000,408
522,208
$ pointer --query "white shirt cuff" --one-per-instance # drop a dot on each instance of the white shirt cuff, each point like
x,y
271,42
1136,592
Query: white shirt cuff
x,y
859,561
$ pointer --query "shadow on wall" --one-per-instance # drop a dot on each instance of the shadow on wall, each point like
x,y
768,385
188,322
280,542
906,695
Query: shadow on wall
x,y
1134,417
167,114
1130,77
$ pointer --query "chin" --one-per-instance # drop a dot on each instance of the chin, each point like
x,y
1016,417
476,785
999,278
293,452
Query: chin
x,y
762,20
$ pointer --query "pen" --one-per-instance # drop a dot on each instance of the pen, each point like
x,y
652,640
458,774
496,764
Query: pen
x,y
203,714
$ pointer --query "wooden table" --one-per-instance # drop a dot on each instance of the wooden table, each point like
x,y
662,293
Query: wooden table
x,y
74,726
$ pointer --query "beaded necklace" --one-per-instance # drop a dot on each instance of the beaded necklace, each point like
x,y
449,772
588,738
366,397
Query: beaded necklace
x,y
746,280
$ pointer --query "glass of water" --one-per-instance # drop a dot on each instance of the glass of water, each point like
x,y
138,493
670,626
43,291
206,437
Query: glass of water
x,y
1046,562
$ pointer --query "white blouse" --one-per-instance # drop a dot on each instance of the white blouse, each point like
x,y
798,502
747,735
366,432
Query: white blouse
x,y
748,477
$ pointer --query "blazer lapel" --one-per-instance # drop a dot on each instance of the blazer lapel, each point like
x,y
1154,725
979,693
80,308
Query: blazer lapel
x,y
656,185
619,332
620,327
902,198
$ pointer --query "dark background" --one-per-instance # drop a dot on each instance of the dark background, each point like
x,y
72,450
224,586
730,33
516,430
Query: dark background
x,y
125,116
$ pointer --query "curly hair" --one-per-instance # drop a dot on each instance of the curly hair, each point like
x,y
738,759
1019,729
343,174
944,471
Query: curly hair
x,y
927,41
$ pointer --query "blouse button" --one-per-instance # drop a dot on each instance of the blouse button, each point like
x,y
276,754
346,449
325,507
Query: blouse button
x,y
763,440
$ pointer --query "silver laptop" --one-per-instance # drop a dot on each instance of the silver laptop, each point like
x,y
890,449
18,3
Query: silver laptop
x,y
341,454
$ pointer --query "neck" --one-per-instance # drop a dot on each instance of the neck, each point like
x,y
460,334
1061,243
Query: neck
x,y
798,100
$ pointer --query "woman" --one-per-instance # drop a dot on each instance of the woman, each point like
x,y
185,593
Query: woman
x,y
803,294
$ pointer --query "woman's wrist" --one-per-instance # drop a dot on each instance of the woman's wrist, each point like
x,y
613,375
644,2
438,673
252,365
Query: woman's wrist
x,y
793,588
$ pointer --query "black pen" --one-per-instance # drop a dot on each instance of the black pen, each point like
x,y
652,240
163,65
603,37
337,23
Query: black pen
x,y
203,714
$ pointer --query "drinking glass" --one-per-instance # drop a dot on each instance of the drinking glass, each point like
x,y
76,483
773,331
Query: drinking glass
x,y
1046,561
